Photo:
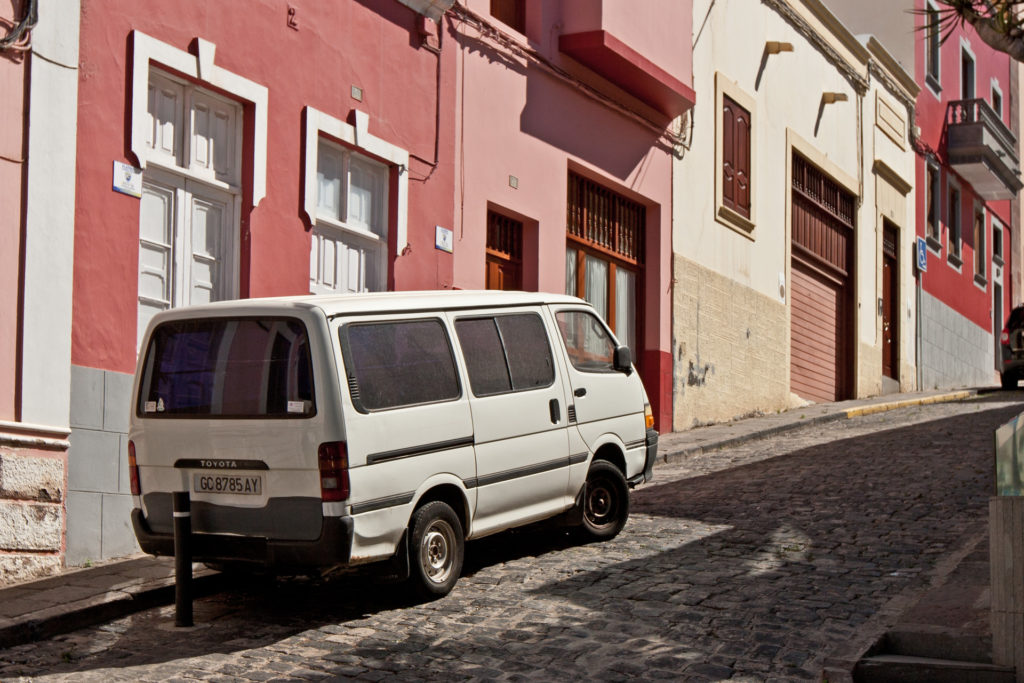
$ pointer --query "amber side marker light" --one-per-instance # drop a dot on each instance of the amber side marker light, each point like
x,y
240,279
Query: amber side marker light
x,y
133,470
648,416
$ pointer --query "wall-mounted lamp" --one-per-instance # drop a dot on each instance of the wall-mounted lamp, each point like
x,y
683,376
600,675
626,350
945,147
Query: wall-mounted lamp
x,y
774,47
832,97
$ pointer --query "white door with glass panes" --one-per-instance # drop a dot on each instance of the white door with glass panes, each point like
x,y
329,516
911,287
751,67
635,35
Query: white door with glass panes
x,y
349,242
187,245
188,216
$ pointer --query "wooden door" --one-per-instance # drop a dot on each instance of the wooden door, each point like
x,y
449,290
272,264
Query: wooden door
x,y
890,304
504,260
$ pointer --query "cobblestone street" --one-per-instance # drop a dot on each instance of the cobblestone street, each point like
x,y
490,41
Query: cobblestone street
x,y
758,562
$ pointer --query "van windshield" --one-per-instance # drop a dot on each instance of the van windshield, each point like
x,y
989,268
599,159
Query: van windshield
x,y
228,368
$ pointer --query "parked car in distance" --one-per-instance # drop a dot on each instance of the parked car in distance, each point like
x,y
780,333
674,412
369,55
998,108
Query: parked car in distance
x,y
323,431
1011,368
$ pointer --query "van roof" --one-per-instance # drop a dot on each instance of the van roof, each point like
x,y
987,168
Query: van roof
x,y
379,302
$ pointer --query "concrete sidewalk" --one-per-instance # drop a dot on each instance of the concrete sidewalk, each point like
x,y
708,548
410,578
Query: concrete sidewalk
x,y
82,597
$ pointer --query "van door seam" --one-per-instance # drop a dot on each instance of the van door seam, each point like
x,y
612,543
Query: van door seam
x,y
383,503
413,451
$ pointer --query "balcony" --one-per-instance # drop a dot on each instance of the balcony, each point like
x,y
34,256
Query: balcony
x,y
981,149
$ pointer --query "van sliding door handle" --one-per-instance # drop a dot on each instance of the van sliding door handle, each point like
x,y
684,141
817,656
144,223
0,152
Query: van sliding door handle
x,y
556,412
580,392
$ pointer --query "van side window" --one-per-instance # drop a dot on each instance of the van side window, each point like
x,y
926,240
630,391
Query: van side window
x,y
590,347
506,353
393,364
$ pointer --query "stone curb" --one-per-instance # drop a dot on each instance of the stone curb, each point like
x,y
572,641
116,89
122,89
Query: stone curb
x,y
107,606
679,453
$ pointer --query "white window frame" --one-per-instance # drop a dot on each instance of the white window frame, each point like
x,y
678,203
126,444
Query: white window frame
x,y
993,89
934,242
357,137
965,49
330,225
934,83
954,257
979,208
147,51
997,228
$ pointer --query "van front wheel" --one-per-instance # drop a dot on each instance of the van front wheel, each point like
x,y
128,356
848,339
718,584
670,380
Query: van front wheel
x,y
605,501
436,548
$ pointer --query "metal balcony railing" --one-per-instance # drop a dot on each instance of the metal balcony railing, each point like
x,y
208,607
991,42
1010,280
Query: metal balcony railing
x,y
982,149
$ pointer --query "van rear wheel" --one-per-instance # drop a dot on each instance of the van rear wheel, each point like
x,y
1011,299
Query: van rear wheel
x,y
436,549
605,501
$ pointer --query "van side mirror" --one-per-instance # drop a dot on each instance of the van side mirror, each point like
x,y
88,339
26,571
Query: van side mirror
x,y
623,361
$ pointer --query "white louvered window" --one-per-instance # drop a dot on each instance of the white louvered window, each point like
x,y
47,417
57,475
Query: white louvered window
x,y
193,129
349,244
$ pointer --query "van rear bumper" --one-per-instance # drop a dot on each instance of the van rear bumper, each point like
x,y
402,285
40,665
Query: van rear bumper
x,y
331,549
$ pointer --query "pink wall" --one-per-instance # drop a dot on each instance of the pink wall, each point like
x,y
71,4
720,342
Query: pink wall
x,y
13,110
657,29
516,119
958,289
373,44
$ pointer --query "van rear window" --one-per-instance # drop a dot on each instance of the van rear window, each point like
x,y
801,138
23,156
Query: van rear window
x,y
228,368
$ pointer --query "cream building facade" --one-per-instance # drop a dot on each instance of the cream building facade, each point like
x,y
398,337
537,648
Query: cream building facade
x,y
794,184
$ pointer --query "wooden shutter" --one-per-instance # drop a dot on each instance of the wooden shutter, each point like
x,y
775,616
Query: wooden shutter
x,y
735,157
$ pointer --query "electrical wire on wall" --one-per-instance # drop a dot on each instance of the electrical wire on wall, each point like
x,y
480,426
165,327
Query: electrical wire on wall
x,y
19,38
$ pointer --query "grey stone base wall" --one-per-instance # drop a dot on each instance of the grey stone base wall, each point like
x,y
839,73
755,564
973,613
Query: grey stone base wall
x,y
99,495
32,486
955,352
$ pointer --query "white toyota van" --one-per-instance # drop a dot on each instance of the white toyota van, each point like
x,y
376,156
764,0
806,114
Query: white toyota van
x,y
313,432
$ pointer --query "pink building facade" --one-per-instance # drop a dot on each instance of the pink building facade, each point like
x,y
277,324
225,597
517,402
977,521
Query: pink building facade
x,y
231,154
210,153
564,150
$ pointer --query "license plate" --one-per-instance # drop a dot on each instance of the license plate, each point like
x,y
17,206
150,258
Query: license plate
x,y
237,484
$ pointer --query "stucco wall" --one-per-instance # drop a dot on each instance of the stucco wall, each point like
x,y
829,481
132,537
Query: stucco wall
x,y
521,130
729,348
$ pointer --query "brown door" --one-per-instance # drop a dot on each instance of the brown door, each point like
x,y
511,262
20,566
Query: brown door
x,y
890,304
504,252
821,367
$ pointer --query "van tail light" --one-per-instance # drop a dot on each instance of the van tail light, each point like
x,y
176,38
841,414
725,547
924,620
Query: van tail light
x,y
1004,338
648,416
133,470
332,458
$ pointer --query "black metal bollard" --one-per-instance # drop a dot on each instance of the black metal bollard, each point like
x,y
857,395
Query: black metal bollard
x,y
182,559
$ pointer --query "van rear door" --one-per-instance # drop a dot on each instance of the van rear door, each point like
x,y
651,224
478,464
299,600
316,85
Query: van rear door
x,y
226,408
